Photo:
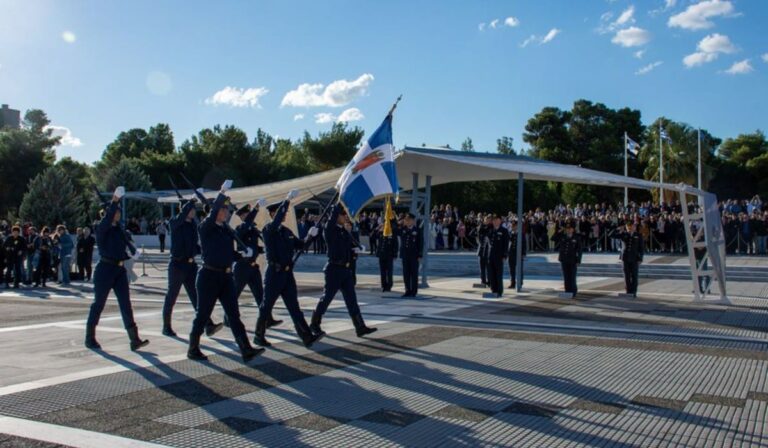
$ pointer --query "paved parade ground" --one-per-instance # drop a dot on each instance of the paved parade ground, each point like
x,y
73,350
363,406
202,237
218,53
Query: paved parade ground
x,y
450,368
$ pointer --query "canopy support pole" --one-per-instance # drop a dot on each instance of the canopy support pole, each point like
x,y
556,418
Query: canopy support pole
x,y
425,220
520,229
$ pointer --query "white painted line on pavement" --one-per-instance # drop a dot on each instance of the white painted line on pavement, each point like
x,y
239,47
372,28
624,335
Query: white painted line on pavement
x,y
78,438
68,322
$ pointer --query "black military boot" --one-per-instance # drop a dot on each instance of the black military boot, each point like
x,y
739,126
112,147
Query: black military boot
x,y
307,337
314,325
167,328
272,322
261,330
360,327
246,351
211,328
136,341
193,352
90,338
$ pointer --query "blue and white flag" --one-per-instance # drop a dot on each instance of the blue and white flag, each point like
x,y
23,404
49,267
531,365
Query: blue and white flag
x,y
666,137
632,146
371,173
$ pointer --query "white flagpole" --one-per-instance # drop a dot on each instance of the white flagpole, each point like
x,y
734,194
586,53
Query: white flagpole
x,y
661,167
699,162
626,174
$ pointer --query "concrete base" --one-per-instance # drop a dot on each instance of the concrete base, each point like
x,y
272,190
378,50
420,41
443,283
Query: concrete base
x,y
565,295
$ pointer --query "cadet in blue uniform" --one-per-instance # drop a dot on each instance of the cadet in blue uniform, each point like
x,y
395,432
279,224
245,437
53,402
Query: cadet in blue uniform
x,y
280,244
513,257
498,247
339,272
215,281
182,268
247,270
386,250
15,247
110,274
631,255
411,248
569,256
482,248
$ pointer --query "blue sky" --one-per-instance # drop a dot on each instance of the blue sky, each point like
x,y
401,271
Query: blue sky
x,y
98,68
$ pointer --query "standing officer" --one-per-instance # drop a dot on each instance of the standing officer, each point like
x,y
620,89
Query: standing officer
x,y
483,229
513,256
111,274
497,252
386,251
247,271
182,268
15,247
85,247
411,249
569,257
339,273
280,244
215,281
631,255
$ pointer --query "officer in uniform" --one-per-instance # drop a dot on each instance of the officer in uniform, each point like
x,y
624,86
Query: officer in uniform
x,y
85,247
110,274
498,241
411,249
15,247
386,251
569,256
215,281
247,270
513,257
339,272
182,268
631,255
280,244
482,248
43,248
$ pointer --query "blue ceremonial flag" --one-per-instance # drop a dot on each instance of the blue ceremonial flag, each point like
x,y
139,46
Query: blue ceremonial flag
x,y
371,173
666,137
632,146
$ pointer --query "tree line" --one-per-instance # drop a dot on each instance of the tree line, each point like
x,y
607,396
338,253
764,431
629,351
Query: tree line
x,y
36,187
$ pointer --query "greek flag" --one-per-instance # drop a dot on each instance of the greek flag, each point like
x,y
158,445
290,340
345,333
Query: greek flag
x,y
371,173
666,137
632,146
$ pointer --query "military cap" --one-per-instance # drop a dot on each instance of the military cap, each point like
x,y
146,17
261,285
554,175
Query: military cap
x,y
272,208
244,209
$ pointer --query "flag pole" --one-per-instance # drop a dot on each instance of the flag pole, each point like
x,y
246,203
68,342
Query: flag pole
x,y
626,174
699,163
394,106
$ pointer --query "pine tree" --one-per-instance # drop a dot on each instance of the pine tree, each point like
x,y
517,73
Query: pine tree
x,y
51,199
128,174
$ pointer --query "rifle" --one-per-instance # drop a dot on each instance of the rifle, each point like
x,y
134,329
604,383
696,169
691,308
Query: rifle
x,y
319,221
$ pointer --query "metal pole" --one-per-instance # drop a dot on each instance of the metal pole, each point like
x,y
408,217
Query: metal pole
x,y
415,194
143,262
699,163
661,167
520,229
427,213
626,173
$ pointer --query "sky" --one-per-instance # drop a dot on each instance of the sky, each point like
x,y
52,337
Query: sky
x,y
477,69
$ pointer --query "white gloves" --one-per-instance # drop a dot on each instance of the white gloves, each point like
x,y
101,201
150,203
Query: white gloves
x,y
357,250
292,194
119,192
136,255
261,203
226,185
201,191
314,231
248,252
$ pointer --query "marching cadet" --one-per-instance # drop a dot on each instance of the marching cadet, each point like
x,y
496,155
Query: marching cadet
x,y
111,274
513,256
15,247
43,248
386,251
569,256
215,280
482,248
411,248
498,246
247,270
182,268
339,272
631,255
85,247
280,244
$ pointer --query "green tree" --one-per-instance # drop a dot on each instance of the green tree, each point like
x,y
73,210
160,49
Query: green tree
x,y
743,162
51,199
504,146
129,174
467,145
334,148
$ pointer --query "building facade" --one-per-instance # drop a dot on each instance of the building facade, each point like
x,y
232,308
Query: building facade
x,y
9,117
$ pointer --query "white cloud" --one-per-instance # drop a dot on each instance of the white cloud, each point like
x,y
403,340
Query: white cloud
x,y
159,83
237,97
532,38
351,114
648,68
67,139
670,4
765,57
632,37
626,16
324,117
494,23
541,40
336,94
606,16
298,117
481,27
740,68
69,37
697,17
639,54
511,21
550,35
708,49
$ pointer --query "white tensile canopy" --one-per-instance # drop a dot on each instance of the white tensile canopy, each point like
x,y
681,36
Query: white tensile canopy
x,y
436,166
